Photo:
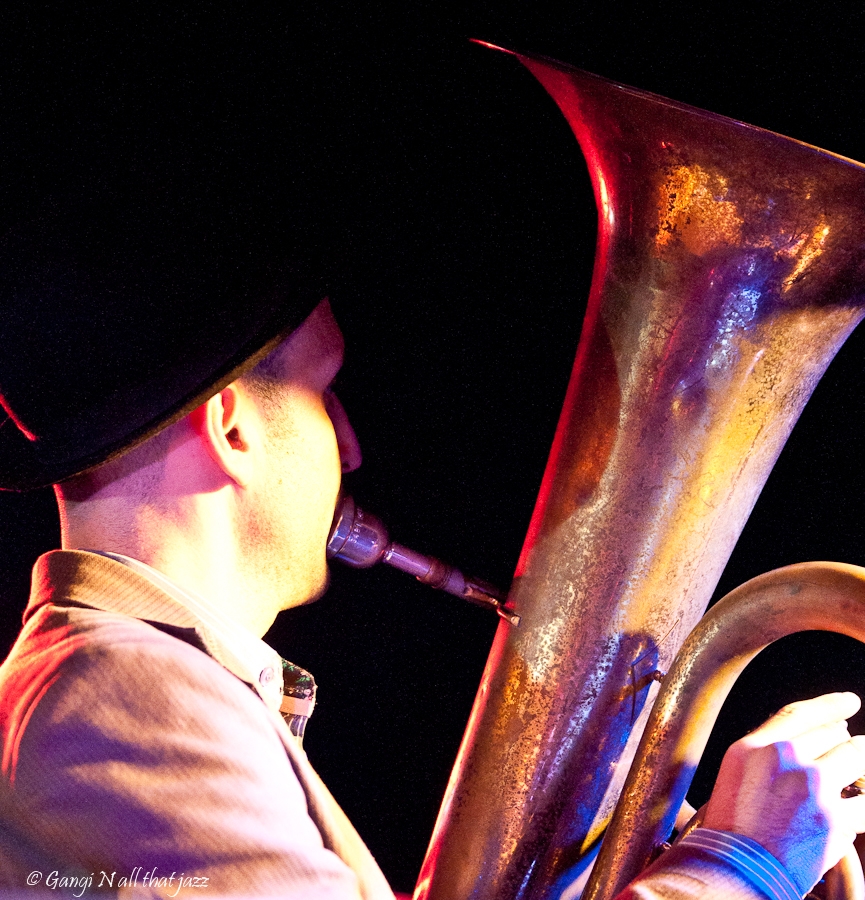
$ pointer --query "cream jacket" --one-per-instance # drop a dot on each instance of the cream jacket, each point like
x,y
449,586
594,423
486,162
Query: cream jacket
x,y
129,755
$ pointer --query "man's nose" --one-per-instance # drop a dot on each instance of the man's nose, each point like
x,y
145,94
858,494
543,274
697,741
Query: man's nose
x,y
346,439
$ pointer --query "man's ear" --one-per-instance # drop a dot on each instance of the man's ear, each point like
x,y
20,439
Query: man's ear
x,y
224,425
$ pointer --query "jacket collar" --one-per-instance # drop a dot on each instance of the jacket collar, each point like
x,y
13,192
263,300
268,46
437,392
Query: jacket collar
x,y
118,584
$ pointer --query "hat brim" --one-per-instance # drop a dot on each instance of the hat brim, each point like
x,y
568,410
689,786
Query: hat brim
x,y
27,464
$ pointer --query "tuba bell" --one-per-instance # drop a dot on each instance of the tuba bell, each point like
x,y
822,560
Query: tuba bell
x,y
729,270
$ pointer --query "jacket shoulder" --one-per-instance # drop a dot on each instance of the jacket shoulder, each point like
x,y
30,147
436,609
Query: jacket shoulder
x,y
126,746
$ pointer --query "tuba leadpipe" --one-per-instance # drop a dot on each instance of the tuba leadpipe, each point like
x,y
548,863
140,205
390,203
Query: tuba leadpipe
x,y
728,272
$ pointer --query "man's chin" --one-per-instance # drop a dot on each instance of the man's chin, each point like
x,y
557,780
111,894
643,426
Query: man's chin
x,y
314,591
323,586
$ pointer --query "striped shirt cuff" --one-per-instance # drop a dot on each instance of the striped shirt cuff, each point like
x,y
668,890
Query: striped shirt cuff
x,y
753,862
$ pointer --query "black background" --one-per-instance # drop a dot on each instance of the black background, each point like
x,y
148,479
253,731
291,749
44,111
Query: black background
x,y
459,228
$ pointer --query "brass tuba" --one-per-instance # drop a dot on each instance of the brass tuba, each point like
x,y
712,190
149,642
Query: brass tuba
x,y
729,270
810,596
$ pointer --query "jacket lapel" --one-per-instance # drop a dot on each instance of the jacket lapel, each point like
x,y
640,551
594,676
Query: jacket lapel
x,y
337,832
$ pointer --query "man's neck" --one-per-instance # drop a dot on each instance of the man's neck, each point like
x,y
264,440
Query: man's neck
x,y
191,543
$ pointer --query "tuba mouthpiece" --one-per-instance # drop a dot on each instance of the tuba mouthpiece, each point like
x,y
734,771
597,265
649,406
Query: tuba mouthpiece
x,y
360,540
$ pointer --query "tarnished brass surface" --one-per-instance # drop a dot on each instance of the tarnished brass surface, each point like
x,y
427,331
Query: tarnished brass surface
x,y
728,272
808,596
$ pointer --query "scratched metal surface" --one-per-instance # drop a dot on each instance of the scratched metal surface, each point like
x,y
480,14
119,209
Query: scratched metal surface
x,y
805,597
727,275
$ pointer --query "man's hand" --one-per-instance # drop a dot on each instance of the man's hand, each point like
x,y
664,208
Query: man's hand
x,y
781,786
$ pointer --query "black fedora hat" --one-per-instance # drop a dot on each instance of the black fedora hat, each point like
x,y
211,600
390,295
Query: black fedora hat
x,y
150,228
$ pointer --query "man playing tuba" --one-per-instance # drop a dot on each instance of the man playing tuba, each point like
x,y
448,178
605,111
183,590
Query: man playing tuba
x,y
167,369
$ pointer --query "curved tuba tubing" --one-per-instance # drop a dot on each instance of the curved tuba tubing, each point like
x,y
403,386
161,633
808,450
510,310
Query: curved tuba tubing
x,y
806,597
729,270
